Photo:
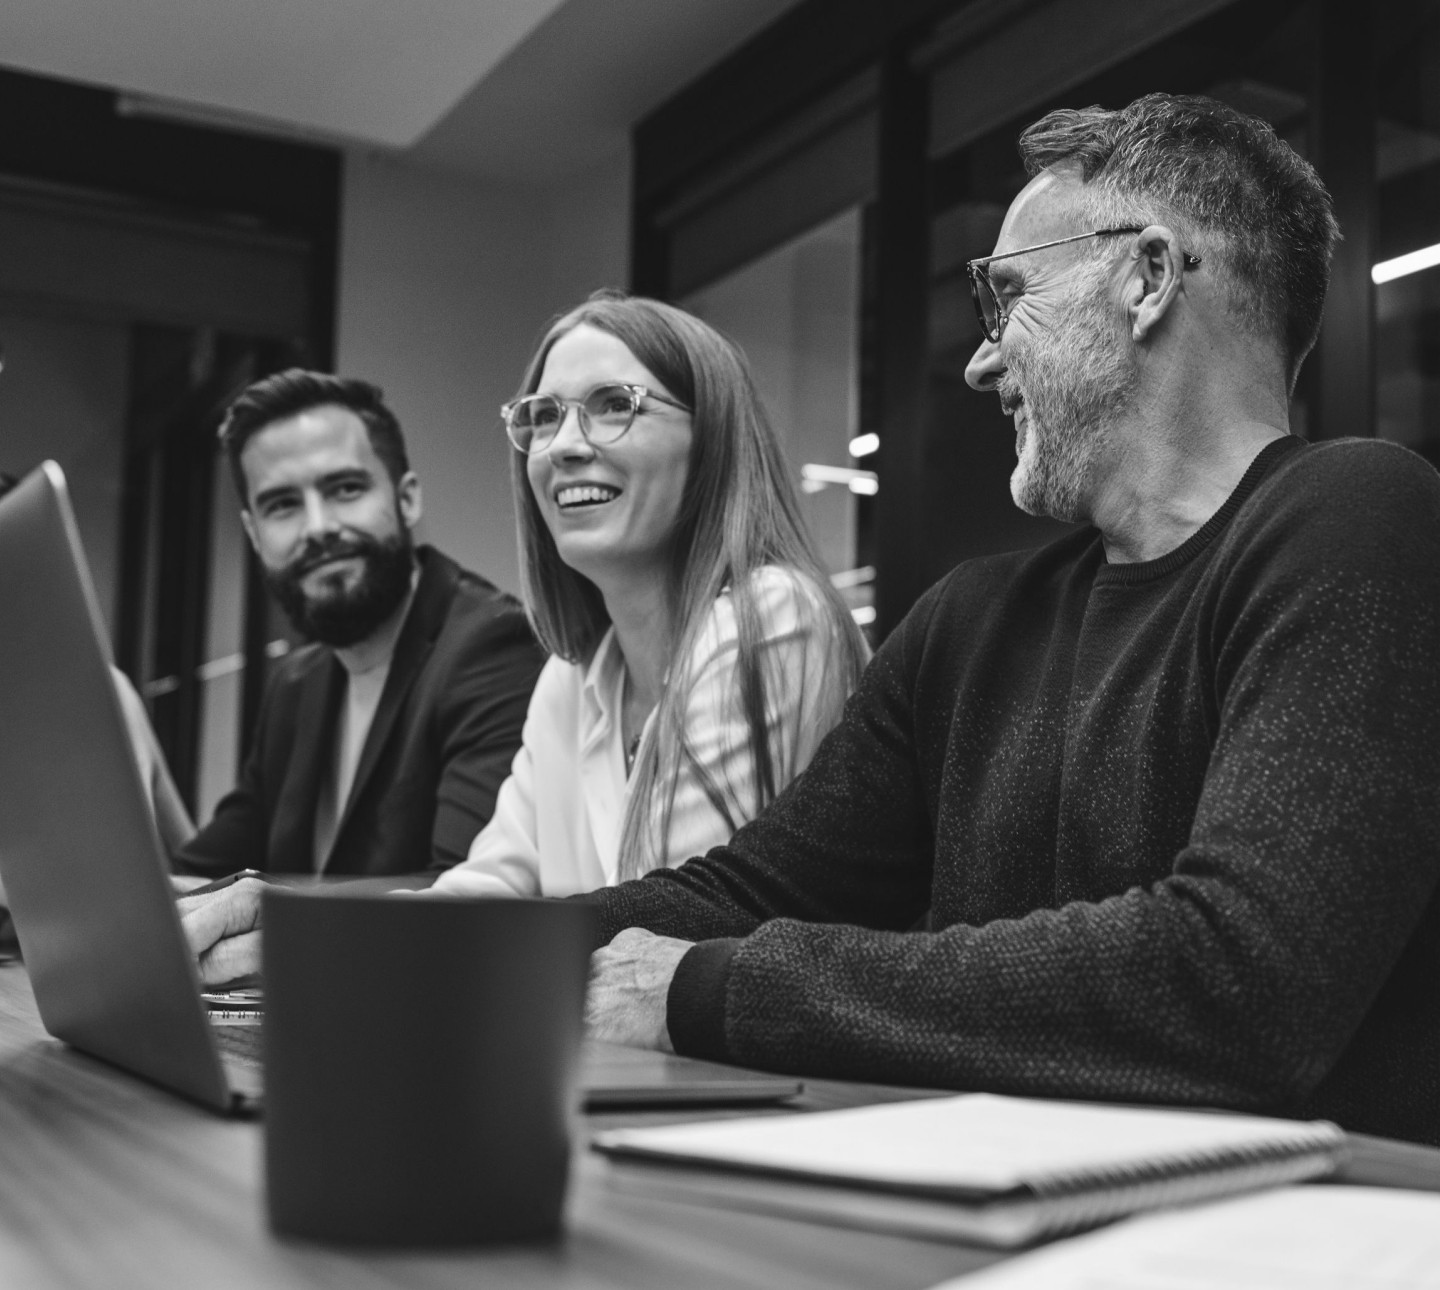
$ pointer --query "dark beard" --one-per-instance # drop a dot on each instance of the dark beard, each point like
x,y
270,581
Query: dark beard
x,y
346,617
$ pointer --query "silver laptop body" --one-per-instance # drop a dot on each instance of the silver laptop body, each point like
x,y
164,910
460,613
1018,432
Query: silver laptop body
x,y
84,872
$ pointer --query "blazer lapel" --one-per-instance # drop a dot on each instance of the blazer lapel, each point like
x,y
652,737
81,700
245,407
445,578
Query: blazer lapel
x,y
427,615
292,847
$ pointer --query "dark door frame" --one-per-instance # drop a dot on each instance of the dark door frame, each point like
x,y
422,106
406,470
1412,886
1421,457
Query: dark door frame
x,y
77,137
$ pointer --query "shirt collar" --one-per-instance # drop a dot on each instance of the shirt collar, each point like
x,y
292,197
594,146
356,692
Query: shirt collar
x,y
601,687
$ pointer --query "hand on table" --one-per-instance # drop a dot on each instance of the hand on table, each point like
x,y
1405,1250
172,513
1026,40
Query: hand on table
x,y
223,928
629,984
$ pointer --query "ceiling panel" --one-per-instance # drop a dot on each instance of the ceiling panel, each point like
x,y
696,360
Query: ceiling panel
x,y
378,71
566,97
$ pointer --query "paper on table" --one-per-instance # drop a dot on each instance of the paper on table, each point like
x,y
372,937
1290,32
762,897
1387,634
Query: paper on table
x,y
1315,1237
977,1141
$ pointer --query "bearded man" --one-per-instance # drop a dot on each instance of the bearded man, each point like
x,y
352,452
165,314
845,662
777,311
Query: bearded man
x,y
380,746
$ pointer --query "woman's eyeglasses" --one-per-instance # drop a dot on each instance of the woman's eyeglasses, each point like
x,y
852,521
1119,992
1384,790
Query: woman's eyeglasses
x,y
604,414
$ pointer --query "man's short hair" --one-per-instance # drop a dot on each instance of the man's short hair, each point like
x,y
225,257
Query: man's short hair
x,y
1234,192
289,393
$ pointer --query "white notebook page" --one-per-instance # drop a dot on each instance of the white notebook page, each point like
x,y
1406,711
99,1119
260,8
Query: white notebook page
x,y
1294,1238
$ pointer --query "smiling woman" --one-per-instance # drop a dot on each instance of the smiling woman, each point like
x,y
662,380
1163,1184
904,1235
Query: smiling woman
x,y
700,652
609,484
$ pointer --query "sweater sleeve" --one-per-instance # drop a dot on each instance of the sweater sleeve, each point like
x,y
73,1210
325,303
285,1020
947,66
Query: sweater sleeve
x,y
1240,975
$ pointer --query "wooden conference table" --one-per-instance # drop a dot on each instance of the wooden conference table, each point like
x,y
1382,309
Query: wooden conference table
x,y
108,1182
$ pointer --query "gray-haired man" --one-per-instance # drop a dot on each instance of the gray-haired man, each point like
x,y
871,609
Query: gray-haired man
x,y
1169,786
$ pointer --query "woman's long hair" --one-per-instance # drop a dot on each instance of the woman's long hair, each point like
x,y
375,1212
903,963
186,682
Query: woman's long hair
x,y
738,513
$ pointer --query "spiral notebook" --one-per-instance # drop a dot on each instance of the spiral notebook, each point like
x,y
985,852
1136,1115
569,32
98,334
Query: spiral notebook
x,y
1318,1238
993,1170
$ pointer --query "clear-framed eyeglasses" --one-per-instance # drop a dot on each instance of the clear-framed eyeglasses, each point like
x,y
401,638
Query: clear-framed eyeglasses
x,y
605,413
990,313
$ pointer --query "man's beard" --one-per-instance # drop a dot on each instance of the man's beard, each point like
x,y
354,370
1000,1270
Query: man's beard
x,y
1074,380
342,615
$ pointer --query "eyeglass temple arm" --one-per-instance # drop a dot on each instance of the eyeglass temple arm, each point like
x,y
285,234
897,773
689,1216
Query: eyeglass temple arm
x,y
1191,261
1045,246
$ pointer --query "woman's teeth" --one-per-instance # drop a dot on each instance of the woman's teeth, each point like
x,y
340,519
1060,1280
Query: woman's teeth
x,y
586,495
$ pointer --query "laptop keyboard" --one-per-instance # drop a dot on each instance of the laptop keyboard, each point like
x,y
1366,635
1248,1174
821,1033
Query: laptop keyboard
x,y
243,1044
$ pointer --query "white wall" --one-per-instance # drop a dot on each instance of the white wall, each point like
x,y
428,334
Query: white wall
x,y
446,282
796,312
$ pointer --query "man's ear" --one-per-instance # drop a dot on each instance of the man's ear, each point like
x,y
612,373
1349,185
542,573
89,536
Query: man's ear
x,y
247,522
408,499
1158,279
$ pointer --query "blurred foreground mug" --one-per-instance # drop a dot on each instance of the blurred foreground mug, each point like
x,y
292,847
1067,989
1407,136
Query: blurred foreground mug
x,y
421,1059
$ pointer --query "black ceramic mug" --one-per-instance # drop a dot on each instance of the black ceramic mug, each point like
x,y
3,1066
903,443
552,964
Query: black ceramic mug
x,y
421,1059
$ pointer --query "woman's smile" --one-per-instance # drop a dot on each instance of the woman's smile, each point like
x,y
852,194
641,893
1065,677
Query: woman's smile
x,y
585,496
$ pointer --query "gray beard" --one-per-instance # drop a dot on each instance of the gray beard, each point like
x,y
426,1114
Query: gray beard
x,y
1074,381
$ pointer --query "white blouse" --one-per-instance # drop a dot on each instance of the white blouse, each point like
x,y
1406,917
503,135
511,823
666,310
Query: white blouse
x,y
558,817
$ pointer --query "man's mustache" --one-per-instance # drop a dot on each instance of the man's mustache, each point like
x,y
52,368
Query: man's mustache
x,y
332,547
1010,397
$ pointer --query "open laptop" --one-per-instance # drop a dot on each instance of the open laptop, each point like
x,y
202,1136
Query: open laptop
x,y
86,876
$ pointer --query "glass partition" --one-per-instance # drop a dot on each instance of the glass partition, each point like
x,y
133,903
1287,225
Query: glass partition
x,y
796,314
1407,273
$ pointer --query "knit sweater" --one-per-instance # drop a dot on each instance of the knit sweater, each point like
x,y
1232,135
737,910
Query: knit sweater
x,y
1166,831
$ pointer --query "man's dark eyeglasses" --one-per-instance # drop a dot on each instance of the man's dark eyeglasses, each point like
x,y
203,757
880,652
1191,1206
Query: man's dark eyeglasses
x,y
990,313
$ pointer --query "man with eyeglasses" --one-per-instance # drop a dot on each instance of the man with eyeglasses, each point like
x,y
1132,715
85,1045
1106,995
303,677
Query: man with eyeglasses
x,y
1168,788
380,744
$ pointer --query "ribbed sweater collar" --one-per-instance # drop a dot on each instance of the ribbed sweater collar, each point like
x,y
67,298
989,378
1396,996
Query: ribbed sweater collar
x,y
1265,461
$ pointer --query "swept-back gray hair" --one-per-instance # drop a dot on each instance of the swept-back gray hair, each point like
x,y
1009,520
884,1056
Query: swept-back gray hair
x,y
1234,192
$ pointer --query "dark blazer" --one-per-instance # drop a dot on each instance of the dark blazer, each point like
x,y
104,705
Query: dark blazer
x,y
441,743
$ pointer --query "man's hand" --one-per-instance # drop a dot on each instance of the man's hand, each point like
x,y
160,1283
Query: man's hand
x,y
629,982
183,882
223,928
